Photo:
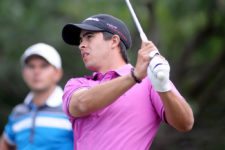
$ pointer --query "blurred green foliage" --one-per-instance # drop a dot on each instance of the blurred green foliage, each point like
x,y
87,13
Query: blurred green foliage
x,y
190,34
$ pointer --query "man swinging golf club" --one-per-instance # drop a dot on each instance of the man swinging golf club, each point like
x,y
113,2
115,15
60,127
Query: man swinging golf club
x,y
120,106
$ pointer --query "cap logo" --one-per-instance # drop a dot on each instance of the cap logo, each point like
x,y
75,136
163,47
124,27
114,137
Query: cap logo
x,y
111,26
92,19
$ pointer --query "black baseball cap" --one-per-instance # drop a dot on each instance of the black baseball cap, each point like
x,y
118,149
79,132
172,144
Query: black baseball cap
x,y
99,22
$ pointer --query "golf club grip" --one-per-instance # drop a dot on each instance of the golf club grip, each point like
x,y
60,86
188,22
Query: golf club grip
x,y
143,37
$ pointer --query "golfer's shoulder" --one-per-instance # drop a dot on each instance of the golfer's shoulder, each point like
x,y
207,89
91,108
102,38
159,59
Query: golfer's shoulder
x,y
77,82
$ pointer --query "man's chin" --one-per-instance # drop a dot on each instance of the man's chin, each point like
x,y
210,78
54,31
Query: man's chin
x,y
38,89
91,68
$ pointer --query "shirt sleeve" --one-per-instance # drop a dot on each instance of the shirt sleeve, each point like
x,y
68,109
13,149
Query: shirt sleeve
x,y
71,86
8,133
157,104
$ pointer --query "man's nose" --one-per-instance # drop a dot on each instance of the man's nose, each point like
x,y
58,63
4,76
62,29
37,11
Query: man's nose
x,y
82,45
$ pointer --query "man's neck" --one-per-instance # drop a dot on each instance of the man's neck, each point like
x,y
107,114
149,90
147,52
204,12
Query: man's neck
x,y
114,65
40,97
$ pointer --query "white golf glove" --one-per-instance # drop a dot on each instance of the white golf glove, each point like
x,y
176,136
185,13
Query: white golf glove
x,y
159,72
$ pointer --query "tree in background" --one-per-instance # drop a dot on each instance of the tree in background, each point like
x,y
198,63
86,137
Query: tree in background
x,y
189,33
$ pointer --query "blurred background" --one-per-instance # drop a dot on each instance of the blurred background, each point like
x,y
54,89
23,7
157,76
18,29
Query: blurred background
x,y
190,34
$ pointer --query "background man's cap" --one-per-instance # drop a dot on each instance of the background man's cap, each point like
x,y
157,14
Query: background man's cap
x,y
48,52
100,22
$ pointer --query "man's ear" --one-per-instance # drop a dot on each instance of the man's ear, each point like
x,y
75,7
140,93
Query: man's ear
x,y
58,75
115,41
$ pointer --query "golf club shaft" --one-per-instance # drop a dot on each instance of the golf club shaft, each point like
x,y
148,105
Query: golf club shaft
x,y
160,75
141,32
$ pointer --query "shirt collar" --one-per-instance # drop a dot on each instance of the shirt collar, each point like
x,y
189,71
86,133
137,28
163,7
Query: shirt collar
x,y
54,100
123,70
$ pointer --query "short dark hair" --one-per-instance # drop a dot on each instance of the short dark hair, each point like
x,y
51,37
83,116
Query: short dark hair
x,y
123,50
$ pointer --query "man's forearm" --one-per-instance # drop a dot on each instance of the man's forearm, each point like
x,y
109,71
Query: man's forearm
x,y
87,101
177,110
4,145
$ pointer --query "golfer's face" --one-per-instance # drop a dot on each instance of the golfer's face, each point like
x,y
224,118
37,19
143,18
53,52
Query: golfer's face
x,y
39,74
94,50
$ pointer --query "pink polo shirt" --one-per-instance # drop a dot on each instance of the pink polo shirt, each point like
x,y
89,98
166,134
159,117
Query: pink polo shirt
x,y
130,123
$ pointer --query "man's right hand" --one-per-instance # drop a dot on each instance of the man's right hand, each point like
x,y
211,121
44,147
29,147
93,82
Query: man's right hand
x,y
143,59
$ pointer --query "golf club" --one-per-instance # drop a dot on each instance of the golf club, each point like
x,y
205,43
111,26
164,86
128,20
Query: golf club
x,y
160,75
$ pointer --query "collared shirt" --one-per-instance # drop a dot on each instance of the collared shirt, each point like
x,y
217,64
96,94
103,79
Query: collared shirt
x,y
131,122
46,127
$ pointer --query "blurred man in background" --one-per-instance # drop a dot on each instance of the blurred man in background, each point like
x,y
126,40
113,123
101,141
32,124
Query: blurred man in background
x,y
39,122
